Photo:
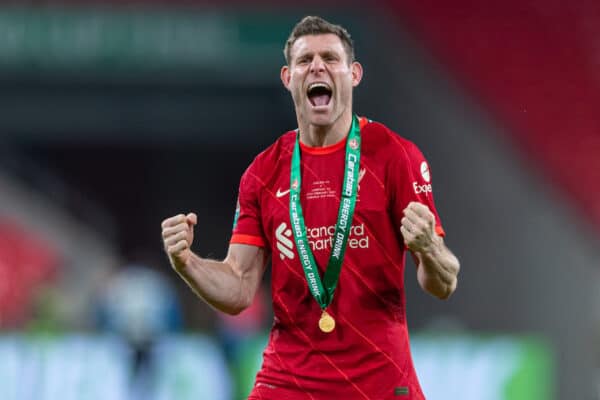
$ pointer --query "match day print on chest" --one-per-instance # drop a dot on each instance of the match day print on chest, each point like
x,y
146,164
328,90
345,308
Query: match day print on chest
x,y
320,198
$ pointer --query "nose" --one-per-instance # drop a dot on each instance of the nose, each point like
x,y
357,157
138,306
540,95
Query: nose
x,y
317,65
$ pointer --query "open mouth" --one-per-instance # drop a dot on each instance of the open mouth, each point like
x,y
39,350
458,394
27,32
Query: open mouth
x,y
319,94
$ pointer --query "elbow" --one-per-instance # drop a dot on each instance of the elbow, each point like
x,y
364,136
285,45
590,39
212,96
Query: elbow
x,y
238,307
450,287
233,311
445,295
448,290
441,290
438,288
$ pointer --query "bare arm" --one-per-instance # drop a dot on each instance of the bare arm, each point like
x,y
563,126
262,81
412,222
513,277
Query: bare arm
x,y
228,285
437,266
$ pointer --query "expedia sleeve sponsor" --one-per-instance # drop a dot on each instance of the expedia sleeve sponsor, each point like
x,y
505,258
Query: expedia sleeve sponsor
x,y
422,189
409,179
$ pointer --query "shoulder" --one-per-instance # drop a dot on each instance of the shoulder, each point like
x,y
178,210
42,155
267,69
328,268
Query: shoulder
x,y
266,161
381,141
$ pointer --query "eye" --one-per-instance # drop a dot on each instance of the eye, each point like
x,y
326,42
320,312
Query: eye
x,y
330,57
303,60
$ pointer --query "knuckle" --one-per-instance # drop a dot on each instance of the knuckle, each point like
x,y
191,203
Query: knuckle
x,y
174,230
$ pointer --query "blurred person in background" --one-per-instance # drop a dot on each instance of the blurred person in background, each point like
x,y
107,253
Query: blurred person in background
x,y
340,190
140,305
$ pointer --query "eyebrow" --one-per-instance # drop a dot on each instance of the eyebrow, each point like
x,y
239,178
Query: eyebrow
x,y
327,52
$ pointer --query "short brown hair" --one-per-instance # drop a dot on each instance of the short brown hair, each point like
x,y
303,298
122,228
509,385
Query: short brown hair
x,y
312,25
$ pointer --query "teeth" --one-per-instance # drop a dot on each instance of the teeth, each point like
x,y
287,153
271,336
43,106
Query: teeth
x,y
318,84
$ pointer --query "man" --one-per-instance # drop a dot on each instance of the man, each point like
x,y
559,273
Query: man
x,y
340,194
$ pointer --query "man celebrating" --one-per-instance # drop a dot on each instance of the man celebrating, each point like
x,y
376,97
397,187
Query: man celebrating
x,y
336,204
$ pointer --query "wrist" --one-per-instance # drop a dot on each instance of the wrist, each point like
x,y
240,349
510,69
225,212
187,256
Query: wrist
x,y
180,264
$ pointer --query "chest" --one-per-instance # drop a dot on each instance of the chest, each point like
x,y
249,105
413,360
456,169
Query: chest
x,y
320,192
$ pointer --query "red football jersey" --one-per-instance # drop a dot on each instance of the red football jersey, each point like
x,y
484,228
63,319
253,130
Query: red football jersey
x,y
367,356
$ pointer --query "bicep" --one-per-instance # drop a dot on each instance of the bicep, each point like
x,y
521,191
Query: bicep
x,y
248,262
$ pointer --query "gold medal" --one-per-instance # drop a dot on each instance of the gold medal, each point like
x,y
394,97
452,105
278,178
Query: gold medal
x,y
326,322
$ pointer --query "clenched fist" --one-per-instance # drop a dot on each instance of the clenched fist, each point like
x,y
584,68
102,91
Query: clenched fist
x,y
418,227
178,235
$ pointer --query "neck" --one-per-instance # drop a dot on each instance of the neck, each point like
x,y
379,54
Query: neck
x,y
325,135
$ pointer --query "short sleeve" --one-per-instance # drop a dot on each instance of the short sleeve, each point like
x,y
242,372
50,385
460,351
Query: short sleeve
x,y
247,226
410,179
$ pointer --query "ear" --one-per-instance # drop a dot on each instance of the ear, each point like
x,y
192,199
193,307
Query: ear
x,y
285,76
357,73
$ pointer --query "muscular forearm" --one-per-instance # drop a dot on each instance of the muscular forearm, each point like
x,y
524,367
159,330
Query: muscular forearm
x,y
438,269
228,285
217,283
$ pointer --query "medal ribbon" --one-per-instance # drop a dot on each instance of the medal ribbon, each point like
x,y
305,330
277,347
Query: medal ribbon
x,y
323,291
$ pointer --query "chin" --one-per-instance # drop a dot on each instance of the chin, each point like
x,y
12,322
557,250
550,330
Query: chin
x,y
321,118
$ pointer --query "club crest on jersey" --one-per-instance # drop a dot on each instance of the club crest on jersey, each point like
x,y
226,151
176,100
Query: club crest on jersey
x,y
361,175
295,184
425,188
425,172
353,144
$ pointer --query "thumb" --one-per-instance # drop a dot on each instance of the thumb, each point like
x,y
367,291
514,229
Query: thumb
x,y
191,219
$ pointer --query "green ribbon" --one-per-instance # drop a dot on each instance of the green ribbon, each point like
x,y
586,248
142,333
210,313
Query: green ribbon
x,y
323,291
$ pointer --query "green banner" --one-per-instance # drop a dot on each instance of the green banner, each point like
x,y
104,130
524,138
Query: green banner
x,y
116,39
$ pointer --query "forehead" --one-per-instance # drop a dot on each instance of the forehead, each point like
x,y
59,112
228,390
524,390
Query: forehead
x,y
316,44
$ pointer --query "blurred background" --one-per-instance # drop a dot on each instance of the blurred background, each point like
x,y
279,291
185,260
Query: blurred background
x,y
116,115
